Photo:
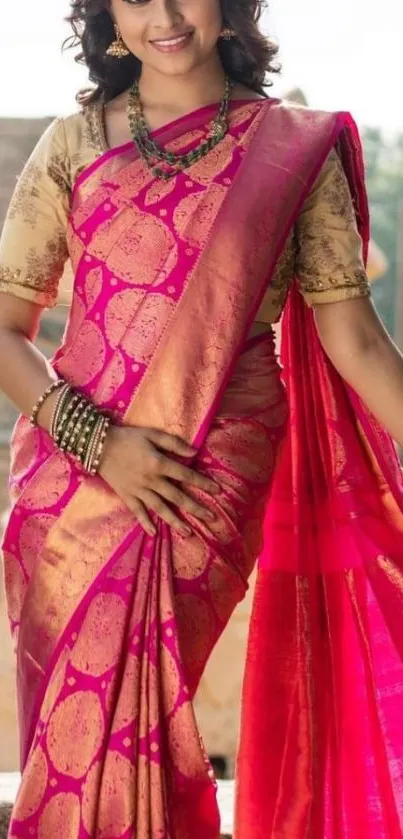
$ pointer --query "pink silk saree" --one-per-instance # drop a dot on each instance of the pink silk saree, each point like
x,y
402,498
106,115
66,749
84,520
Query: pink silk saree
x,y
113,628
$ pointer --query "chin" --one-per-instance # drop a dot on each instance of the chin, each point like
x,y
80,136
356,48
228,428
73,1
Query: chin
x,y
175,65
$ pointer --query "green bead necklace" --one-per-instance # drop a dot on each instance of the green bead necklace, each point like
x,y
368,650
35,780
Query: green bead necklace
x,y
153,155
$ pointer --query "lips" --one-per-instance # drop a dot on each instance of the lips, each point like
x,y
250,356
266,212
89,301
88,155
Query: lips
x,y
171,37
174,43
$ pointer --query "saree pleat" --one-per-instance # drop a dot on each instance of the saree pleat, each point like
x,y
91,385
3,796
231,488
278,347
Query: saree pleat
x,y
117,733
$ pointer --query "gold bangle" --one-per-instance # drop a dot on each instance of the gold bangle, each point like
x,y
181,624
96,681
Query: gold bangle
x,y
38,405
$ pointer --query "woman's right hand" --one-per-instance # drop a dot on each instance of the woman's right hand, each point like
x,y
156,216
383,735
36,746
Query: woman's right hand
x,y
136,467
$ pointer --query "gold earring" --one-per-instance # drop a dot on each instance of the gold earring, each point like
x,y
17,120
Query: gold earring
x,y
227,33
118,48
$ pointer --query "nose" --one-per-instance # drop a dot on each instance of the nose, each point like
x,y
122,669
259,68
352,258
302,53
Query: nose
x,y
167,16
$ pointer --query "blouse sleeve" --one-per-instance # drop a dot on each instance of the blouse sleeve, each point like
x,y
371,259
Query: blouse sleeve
x,y
329,260
33,246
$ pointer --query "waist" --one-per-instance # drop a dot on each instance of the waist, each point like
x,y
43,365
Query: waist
x,y
255,384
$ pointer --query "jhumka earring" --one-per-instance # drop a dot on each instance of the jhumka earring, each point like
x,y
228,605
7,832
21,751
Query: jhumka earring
x,y
118,48
227,33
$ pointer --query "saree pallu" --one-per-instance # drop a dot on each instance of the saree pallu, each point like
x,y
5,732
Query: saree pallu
x,y
323,688
113,627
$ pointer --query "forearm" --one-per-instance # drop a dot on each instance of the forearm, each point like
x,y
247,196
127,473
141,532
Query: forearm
x,y
374,369
25,374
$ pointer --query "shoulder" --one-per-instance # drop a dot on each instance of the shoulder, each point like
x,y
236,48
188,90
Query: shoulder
x,y
80,137
84,128
301,114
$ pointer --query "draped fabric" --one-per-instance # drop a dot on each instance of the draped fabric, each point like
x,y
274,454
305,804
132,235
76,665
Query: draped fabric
x,y
113,627
324,663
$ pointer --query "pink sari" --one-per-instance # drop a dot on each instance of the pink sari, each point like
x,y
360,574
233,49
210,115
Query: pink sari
x,y
113,628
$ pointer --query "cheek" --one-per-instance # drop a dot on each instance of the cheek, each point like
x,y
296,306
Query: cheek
x,y
133,25
203,14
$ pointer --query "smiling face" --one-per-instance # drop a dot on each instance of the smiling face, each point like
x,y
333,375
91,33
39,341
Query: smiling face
x,y
147,27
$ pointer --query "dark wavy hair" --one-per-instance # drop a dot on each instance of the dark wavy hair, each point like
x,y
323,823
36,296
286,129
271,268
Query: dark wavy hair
x,y
248,58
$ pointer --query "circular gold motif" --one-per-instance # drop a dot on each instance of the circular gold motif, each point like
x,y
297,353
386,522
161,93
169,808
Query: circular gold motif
x,y
143,249
130,179
243,447
33,785
200,209
117,797
61,817
32,537
93,286
128,700
170,679
112,379
120,311
100,640
142,337
89,806
214,163
86,356
190,560
49,484
197,631
184,743
126,565
158,191
80,714
15,585
55,686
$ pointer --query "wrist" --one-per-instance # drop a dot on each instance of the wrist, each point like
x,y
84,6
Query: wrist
x,y
107,451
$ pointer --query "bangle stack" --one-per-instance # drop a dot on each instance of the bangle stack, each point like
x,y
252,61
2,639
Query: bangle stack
x,y
77,426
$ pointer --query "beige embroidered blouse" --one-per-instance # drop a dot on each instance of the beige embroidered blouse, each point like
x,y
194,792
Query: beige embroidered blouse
x,y
324,249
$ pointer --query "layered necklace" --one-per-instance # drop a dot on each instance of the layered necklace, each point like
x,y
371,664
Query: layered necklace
x,y
166,164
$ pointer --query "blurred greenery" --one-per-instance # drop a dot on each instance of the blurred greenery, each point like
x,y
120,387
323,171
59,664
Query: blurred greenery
x,y
384,164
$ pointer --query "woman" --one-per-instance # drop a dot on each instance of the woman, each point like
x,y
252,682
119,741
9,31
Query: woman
x,y
159,430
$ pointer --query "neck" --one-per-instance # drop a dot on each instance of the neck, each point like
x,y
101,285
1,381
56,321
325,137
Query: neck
x,y
202,86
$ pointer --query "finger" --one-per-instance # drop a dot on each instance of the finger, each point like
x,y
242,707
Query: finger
x,y
153,501
170,442
141,514
180,499
172,469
